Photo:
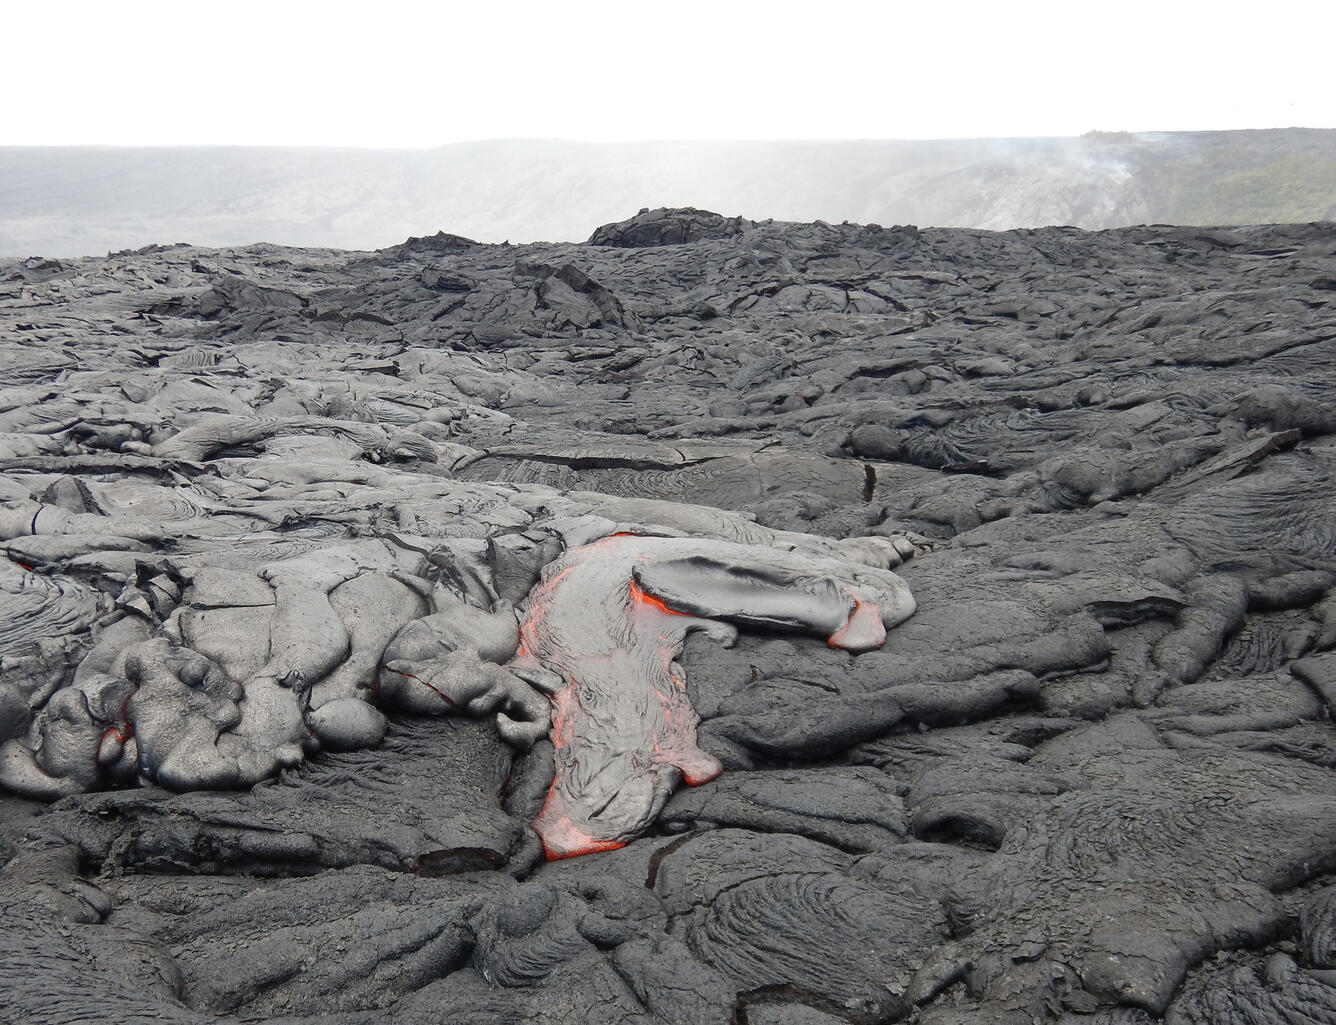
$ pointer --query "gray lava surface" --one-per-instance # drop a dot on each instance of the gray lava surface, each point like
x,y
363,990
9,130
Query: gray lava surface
x,y
271,518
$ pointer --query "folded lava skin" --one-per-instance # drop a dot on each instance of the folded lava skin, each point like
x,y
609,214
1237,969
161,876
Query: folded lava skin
x,y
610,619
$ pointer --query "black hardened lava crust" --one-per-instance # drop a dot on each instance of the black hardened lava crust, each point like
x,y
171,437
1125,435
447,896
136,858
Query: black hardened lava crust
x,y
1089,779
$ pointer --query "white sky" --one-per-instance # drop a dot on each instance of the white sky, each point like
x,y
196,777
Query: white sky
x,y
394,73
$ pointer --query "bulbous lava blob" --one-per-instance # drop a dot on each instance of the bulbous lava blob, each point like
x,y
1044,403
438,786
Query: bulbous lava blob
x,y
610,618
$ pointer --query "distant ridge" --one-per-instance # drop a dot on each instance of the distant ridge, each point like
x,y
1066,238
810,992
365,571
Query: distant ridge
x,y
70,201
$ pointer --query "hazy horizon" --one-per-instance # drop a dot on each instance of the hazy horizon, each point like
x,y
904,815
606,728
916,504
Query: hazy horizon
x,y
79,201
327,123
648,141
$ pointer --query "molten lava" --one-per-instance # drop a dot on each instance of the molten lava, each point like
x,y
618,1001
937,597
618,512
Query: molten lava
x,y
610,619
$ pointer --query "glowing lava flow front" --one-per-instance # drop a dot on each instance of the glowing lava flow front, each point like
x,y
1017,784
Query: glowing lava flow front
x,y
610,620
